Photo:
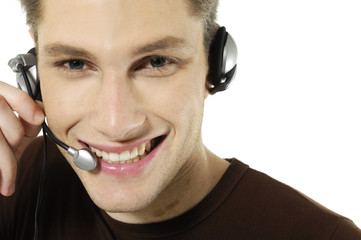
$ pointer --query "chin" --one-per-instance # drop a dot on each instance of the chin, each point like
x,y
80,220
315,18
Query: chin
x,y
121,202
117,197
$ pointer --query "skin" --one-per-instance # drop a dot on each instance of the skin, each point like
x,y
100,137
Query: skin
x,y
118,98
15,132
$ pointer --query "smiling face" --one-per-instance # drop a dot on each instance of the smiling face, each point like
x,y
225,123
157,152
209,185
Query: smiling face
x,y
126,78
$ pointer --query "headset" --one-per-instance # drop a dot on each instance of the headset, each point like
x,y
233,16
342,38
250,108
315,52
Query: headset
x,y
222,68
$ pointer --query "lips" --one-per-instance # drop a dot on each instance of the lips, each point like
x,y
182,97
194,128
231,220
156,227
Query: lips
x,y
126,160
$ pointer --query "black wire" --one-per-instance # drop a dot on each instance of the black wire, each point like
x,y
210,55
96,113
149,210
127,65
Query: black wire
x,y
41,187
43,171
46,130
51,135
26,80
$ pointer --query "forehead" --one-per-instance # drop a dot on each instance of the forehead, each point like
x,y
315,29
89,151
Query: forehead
x,y
107,23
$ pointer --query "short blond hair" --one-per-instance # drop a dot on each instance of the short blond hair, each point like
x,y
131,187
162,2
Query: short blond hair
x,y
205,10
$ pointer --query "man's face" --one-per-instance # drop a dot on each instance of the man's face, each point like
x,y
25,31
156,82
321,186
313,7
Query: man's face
x,y
121,76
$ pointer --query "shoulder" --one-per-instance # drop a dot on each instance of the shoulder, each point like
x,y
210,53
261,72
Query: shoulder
x,y
346,230
262,204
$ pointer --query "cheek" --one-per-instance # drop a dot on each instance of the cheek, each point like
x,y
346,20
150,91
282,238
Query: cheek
x,y
63,101
181,103
53,99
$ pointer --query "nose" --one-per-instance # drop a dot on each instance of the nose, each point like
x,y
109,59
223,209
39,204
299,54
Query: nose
x,y
118,113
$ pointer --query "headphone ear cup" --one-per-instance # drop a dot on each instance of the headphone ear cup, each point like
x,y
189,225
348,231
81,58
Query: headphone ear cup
x,y
216,57
32,51
29,64
223,61
25,67
34,77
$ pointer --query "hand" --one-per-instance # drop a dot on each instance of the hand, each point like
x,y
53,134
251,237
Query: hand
x,y
16,132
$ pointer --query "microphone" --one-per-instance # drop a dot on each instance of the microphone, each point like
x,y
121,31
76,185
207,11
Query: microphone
x,y
82,158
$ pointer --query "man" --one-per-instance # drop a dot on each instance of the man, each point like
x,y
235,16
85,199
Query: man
x,y
128,79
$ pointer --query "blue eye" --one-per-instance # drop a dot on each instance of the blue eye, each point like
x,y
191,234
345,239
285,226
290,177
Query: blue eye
x,y
158,62
156,66
76,64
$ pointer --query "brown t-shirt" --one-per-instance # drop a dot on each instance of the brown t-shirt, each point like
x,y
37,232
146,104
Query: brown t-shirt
x,y
245,204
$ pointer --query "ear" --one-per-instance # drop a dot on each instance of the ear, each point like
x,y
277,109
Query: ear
x,y
31,32
206,93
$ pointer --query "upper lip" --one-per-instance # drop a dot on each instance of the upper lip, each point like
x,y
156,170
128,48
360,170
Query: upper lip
x,y
117,148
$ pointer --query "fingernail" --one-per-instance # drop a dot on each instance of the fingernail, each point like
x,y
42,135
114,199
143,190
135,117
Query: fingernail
x,y
39,116
11,189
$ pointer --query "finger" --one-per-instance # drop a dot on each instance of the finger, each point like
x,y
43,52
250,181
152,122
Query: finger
x,y
30,130
10,125
22,103
8,168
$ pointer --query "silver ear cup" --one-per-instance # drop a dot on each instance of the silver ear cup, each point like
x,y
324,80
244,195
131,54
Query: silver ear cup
x,y
31,73
230,55
222,62
28,61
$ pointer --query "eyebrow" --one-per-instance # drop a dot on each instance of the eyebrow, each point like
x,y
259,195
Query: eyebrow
x,y
168,42
59,48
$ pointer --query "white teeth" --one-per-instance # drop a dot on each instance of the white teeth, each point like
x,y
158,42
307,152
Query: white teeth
x,y
105,155
134,153
141,150
113,157
127,156
147,147
136,159
98,152
124,156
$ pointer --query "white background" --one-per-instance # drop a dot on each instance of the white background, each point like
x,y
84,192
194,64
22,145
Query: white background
x,y
293,111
